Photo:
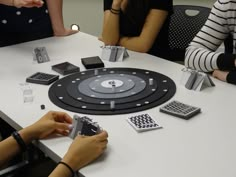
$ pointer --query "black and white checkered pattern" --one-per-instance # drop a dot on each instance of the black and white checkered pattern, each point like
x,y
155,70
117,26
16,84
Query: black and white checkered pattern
x,y
143,122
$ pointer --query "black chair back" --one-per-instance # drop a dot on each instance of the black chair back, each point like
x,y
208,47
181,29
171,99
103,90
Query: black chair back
x,y
185,23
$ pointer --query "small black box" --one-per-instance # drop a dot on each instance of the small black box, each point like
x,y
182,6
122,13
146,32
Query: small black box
x,y
92,62
65,68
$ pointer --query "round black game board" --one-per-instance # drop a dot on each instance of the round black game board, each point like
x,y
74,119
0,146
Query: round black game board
x,y
107,91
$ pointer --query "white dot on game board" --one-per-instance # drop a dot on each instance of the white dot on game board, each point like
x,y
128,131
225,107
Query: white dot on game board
x,y
164,81
146,102
138,104
78,79
18,12
61,98
102,102
4,21
165,90
59,85
84,107
30,20
79,98
73,82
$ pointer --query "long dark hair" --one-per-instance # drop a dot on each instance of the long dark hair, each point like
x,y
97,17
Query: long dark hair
x,y
137,11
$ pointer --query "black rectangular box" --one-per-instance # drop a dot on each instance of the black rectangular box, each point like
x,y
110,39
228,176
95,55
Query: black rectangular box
x,y
65,68
92,62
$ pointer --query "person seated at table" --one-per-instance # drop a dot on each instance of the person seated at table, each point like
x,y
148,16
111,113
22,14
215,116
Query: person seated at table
x,y
138,25
201,53
26,20
82,151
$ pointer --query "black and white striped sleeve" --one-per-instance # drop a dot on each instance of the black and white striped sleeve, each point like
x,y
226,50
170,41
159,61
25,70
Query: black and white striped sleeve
x,y
201,53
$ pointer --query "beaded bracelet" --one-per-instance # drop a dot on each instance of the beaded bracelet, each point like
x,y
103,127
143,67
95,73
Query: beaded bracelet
x,y
71,170
19,141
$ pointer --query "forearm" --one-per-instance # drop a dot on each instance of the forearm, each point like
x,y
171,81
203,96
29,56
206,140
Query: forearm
x,y
111,27
201,59
135,44
150,30
61,170
207,61
55,12
10,147
7,2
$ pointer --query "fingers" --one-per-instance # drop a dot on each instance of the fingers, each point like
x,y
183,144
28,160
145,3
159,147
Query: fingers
x,y
61,132
62,117
100,39
101,136
73,32
29,3
62,126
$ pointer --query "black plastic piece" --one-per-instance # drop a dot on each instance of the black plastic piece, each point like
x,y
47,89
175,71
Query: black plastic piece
x,y
42,78
92,62
42,106
65,68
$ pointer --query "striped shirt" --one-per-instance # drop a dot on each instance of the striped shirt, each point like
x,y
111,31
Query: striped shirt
x,y
201,53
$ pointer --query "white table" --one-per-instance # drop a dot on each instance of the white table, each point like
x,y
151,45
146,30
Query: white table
x,y
204,146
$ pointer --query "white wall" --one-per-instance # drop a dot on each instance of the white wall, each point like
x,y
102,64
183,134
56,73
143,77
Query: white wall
x,y
89,13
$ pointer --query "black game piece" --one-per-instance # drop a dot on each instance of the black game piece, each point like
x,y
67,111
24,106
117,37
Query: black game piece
x,y
65,68
84,126
92,62
42,78
42,106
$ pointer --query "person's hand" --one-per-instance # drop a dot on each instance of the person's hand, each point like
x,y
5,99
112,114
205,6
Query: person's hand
x,y
117,4
27,3
51,123
221,75
65,32
85,149
100,39
117,1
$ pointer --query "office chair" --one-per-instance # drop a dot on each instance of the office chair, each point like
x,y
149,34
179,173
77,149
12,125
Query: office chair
x,y
21,164
185,23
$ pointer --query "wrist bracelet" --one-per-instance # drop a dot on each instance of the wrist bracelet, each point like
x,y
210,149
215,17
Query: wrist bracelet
x,y
115,11
19,141
71,170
